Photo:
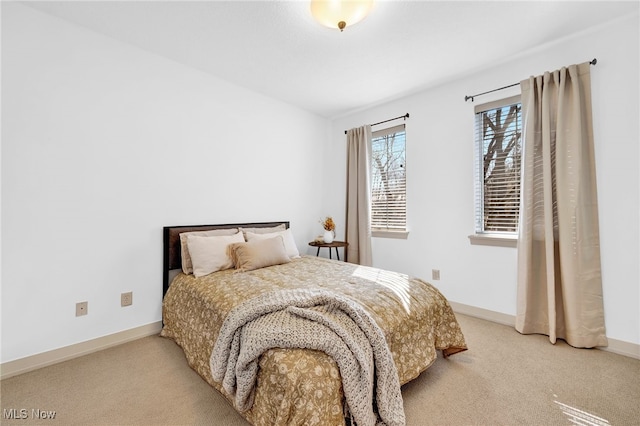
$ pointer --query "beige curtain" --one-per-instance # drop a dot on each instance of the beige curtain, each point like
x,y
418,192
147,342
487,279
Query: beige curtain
x,y
559,278
359,196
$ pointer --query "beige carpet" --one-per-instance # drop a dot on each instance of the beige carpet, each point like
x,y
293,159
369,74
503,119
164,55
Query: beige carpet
x,y
504,379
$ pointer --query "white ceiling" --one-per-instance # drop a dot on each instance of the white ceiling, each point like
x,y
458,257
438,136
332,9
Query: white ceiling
x,y
275,47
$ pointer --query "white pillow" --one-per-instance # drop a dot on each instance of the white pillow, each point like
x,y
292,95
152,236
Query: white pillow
x,y
209,254
187,267
287,236
267,230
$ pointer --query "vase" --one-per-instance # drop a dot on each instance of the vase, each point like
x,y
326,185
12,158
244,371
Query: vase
x,y
327,237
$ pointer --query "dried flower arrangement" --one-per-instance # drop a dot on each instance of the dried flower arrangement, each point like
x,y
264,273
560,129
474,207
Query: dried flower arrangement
x,y
328,224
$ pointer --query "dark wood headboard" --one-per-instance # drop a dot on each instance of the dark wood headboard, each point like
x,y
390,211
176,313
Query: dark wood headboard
x,y
171,243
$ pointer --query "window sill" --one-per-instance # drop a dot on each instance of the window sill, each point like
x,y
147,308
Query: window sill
x,y
403,235
495,240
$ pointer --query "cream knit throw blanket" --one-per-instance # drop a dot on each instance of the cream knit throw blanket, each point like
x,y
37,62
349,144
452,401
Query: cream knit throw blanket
x,y
311,319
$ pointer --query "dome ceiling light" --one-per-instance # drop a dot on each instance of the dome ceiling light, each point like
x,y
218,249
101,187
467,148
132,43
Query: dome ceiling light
x,y
340,13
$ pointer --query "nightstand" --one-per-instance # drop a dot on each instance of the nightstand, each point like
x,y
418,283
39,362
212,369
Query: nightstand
x,y
334,244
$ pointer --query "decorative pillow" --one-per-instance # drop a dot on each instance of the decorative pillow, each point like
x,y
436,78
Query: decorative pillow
x,y
187,266
209,254
258,253
287,237
269,230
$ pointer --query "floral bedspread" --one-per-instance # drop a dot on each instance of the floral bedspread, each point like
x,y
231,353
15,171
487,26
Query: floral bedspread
x,y
302,386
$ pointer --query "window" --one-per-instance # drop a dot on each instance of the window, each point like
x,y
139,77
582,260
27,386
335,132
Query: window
x,y
388,180
498,148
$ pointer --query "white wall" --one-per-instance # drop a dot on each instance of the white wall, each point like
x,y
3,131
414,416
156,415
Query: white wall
x,y
103,144
440,176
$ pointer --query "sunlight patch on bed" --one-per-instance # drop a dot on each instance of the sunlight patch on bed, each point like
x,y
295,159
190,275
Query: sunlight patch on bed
x,y
396,282
580,417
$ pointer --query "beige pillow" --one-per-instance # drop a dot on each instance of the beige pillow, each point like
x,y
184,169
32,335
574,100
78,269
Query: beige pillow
x,y
187,266
258,254
209,254
269,230
287,237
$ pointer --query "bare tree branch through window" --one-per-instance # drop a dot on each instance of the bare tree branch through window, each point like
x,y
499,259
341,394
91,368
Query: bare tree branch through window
x,y
500,133
388,183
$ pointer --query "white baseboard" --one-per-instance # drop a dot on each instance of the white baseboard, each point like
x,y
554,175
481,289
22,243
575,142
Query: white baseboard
x,y
620,347
484,314
33,362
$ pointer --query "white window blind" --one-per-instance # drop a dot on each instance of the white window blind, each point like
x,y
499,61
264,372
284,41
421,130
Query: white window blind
x,y
388,180
498,148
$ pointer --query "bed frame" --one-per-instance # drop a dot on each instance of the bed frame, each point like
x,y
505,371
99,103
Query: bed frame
x,y
171,245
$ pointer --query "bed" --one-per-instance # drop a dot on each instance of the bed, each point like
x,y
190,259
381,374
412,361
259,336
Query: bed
x,y
298,386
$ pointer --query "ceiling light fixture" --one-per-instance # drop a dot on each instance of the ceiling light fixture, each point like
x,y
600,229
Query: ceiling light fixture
x,y
339,13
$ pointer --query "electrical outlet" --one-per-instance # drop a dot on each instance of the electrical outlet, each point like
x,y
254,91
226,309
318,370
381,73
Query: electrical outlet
x,y
435,274
126,299
82,308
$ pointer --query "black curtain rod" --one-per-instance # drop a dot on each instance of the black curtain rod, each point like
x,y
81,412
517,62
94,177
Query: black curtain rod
x,y
391,119
466,98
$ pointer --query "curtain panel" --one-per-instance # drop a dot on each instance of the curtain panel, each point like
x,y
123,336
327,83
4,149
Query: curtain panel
x,y
359,196
559,275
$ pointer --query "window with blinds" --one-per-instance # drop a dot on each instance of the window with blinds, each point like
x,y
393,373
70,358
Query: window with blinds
x,y
498,136
388,180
